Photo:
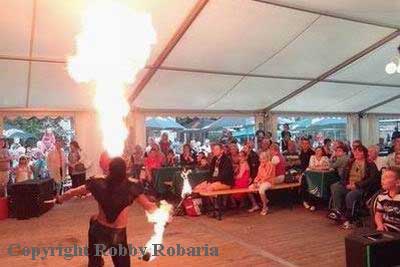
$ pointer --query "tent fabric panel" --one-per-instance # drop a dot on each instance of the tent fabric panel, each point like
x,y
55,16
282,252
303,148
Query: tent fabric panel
x,y
183,90
13,83
59,21
371,68
52,87
389,108
382,12
326,44
333,97
257,93
15,27
236,36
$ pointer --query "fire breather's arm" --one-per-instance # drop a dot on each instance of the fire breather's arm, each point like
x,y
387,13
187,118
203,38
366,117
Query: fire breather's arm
x,y
146,203
81,190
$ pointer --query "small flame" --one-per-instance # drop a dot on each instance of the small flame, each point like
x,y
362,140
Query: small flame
x,y
160,218
113,46
186,189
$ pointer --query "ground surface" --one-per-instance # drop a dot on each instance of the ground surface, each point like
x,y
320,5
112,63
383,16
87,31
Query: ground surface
x,y
283,238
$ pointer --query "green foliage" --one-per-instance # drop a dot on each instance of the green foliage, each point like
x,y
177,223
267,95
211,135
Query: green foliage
x,y
36,127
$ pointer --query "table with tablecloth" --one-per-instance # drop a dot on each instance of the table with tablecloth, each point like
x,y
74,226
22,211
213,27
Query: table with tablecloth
x,y
319,182
172,175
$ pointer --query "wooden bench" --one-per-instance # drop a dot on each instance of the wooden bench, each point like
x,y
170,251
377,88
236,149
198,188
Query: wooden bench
x,y
218,194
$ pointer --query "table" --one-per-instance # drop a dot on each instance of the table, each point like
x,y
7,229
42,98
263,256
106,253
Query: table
x,y
319,182
162,175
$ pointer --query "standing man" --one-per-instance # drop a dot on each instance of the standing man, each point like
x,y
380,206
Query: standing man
x,y
56,165
286,136
5,161
114,195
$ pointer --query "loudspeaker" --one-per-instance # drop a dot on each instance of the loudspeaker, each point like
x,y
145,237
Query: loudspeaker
x,y
367,248
27,198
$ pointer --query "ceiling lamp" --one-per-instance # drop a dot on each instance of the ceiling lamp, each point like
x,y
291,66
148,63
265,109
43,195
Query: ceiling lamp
x,y
392,67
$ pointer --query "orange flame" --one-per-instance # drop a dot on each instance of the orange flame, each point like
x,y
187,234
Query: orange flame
x,y
114,44
160,218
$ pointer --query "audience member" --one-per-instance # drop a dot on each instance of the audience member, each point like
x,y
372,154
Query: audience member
x,y
387,216
188,158
373,156
165,144
242,178
252,158
265,180
327,147
23,171
319,161
286,136
222,172
340,160
361,179
279,162
5,165
56,164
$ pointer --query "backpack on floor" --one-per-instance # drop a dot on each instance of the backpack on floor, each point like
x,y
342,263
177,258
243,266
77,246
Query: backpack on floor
x,y
192,206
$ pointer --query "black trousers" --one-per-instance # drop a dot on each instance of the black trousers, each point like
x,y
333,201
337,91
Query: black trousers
x,y
101,236
78,179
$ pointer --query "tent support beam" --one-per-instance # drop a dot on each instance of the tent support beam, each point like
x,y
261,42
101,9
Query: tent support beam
x,y
327,14
33,26
195,112
199,6
335,69
362,112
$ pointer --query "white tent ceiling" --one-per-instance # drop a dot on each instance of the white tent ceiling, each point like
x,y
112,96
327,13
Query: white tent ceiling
x,y
217,55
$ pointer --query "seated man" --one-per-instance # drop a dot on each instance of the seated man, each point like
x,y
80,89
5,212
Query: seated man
x,y
361,179
222,172
387,216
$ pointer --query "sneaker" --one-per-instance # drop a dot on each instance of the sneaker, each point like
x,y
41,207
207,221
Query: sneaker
x,y
305,205
312,208
253,209
264,211
334,215
347,225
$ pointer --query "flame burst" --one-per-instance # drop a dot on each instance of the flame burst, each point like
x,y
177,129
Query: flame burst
x,y
186,189
114,44
160,218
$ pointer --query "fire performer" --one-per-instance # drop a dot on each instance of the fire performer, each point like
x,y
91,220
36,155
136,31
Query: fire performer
x,y
114,195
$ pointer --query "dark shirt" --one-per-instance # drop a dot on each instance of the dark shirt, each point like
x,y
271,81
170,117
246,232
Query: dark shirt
x,y
113,200
254,162
222,170
292,160
188,163
305,159
370,183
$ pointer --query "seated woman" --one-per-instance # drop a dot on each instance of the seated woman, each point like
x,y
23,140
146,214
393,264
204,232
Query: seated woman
x,y
23,171
188,158
340,159
319,162
202,162
222,172
265,180
170,160
279,162
396,162
242,179
361,179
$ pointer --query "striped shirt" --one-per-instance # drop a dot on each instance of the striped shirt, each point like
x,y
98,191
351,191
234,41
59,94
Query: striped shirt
x,y
390,208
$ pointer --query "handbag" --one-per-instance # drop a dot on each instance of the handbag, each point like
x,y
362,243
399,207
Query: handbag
x,y
192,206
